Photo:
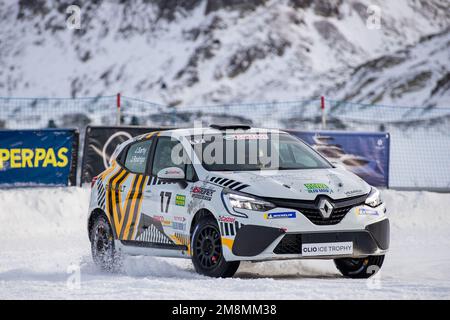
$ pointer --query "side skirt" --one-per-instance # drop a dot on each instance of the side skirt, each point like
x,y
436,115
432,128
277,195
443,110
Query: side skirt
x,y
140,248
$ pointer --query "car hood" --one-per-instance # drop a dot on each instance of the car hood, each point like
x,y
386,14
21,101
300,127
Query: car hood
x,y
303,184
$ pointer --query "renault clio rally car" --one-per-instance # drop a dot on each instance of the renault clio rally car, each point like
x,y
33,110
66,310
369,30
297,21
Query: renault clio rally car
x,y
211,195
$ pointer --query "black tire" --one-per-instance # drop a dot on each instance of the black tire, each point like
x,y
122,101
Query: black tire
x,y
361,268
206,251
102,246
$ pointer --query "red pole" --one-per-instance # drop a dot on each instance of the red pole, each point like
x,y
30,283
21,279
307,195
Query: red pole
x,y
322,106
118,109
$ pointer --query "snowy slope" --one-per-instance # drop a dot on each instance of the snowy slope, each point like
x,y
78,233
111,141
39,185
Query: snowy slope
x,y
209,51
43,233
417,75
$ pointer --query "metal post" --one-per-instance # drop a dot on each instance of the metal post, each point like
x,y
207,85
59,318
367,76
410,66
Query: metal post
x,y
118,110
324,117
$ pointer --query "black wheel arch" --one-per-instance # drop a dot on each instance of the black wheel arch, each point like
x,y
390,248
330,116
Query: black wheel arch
x,y
97,212
200,214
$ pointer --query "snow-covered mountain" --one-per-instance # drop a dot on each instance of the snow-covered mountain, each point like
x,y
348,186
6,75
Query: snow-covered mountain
x,y
211,51
416,75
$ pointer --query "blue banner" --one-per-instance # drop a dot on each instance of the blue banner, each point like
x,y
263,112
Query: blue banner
x,y
364,153
37,157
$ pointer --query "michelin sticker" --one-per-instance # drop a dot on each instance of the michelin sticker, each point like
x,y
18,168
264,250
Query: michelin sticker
x,y
280,215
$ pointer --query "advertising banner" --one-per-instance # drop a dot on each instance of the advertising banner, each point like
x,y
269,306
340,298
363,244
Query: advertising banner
x,y
100,142
364,153
38,157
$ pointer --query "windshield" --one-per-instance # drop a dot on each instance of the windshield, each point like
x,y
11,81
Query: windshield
x,y
255,151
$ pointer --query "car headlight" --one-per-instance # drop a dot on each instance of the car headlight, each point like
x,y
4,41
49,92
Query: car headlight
x,y
374,198
240,200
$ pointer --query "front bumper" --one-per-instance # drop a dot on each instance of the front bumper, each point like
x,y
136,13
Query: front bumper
x,y
254,242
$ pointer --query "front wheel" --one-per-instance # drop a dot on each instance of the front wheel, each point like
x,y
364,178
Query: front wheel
x,y
102,246
206,250
360,268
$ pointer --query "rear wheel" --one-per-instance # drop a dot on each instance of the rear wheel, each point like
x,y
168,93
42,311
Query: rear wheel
x,y
360,268
206,249
102,246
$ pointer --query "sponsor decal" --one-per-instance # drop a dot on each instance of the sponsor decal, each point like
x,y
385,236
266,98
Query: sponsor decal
x,y
171,171
202,193
353,192
179,226
180,200
164,221
280,215
253,136
366,212
179,219
227,219
327,249
317,188
115,188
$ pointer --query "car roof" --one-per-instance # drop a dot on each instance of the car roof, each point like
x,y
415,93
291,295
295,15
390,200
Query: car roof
x,y
186,132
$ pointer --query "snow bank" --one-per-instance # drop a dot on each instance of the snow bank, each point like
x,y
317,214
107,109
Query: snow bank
x,y
43,232
42,213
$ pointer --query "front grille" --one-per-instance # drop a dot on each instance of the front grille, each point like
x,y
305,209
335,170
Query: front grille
x,y
315,217
309,208
290,244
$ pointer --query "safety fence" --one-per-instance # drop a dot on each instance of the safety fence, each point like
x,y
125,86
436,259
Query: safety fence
x,y
419,135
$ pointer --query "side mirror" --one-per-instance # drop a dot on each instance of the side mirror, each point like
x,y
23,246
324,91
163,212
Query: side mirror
x,y
171,174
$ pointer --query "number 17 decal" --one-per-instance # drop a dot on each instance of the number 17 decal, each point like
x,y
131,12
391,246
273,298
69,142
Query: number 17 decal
x,y
167,195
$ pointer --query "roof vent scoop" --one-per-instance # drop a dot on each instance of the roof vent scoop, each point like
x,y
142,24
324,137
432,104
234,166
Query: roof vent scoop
x,y
230,126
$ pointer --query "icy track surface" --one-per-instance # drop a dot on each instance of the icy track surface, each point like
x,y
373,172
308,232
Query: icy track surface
x,y
43,235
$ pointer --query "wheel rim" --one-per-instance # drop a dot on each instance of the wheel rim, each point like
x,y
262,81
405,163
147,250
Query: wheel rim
x,y
355,266
208,247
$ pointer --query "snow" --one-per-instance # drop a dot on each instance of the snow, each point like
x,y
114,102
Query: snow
x,y
43,235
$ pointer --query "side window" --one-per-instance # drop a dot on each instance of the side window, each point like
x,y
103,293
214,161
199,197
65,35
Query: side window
x,y
137,154
286,153
305,159
190,172
163,157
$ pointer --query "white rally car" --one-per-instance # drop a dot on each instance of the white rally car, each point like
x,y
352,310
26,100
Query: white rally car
x,y
225,194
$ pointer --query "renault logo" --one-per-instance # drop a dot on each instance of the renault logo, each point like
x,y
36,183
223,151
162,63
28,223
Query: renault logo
x,y
325,208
